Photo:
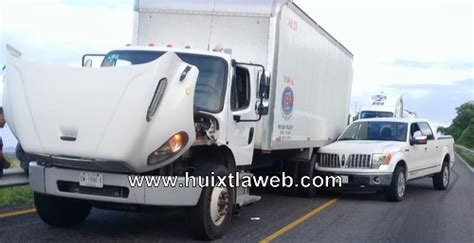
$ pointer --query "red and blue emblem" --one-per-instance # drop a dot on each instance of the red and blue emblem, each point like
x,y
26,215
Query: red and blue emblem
x,y
287,101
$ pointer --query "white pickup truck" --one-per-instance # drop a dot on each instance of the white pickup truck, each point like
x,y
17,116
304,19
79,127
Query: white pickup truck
x,y
384,153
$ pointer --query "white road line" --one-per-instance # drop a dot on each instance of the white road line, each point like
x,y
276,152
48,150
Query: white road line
x,y
465,163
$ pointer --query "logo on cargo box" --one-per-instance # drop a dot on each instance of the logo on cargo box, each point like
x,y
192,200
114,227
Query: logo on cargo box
x,y
287,101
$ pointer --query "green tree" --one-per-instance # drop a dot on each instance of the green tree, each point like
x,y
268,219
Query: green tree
x,y
463,123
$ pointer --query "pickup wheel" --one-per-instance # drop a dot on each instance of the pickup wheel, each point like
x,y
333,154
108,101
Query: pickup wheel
x,y
307,169
61,212
396,190
441,179
211,217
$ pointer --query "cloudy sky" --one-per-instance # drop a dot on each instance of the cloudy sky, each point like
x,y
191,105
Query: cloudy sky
x,y
421,49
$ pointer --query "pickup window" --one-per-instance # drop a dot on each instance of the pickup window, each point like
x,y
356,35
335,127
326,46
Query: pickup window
x,y
376,130
426,130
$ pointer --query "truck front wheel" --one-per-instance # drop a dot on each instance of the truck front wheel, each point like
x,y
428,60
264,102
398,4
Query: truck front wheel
x,y
61,212
210,218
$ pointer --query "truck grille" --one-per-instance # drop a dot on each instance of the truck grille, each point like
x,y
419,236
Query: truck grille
x,y
359,161
329,160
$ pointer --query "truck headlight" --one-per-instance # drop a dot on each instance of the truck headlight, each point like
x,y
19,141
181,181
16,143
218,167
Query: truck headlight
x,y
170,148
380,159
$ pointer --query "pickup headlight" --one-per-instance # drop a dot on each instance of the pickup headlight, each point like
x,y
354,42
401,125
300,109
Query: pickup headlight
x,y
169,148
380,159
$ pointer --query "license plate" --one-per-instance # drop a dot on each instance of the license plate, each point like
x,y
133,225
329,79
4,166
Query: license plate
x,y
91,179
344,179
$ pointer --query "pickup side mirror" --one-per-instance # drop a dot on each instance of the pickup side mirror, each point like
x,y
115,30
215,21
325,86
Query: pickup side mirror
x,y
419,140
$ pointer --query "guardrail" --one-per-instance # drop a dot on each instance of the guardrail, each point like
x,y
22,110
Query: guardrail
x,y
13,177
465,149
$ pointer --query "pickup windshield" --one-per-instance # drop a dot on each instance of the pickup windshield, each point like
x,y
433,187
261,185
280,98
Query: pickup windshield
x,y
373,114
375,130
210,86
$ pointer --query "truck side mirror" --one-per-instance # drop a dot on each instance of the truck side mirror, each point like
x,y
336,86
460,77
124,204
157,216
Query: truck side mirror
x,y
264,88
89,59
262,108
87,63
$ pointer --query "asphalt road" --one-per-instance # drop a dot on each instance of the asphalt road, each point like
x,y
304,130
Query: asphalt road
x,y
425,215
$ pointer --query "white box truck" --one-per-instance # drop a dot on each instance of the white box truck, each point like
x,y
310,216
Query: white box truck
x,y
208,86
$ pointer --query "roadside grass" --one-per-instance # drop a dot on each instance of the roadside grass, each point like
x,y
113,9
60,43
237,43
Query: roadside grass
x,y
469,158
15,195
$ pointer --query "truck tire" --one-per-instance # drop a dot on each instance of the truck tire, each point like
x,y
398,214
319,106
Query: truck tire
x,y
211,217
23,158
61,212
441,179
396,190
307,169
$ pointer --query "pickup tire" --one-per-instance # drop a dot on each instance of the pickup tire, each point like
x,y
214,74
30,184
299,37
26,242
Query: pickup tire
x,y
396,190
307,169
441,179
211,217
61,212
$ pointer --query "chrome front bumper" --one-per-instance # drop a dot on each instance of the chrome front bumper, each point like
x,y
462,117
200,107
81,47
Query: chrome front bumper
x,y
53,180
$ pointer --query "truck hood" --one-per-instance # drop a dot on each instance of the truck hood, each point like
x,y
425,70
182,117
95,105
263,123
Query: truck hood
x,y
99,114
361,147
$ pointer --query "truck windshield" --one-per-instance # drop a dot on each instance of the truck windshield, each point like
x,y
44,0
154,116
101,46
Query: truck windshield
x,y
376,130
373,114
210,86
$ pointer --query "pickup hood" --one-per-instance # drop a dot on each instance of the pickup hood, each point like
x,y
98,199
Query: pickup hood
x,y
361,147
99,114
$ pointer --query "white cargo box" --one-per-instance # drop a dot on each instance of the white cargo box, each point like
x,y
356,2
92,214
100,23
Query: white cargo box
x,y
311,72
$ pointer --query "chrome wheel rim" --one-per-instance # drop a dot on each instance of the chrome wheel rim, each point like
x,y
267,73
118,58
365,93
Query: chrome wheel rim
x,y
219,205
401,185
445,176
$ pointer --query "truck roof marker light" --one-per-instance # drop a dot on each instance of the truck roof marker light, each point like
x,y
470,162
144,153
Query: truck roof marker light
x,y
218,48
151,44
169,45
187,47
128,44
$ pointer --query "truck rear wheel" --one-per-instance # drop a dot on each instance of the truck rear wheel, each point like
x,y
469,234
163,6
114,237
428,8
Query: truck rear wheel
x,y
396,190
211,217
61,212
441,179
307,169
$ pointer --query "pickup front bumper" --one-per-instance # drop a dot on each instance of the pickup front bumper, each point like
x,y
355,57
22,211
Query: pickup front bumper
x,y
362,180
116,188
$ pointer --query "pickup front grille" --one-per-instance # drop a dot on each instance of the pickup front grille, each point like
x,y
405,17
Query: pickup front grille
x,y
362,161
353,161
329,160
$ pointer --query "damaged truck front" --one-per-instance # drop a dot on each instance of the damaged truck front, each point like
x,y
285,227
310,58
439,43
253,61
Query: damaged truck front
x,y
254,85
89,129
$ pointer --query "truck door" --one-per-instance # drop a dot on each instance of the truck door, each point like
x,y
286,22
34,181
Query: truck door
x,y
241,131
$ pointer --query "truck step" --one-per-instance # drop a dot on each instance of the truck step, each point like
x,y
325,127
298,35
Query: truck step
x,y
247,199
